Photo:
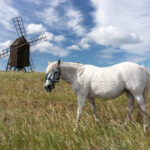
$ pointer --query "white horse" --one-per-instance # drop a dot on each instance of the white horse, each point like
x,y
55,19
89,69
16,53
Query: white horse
x,y
92,82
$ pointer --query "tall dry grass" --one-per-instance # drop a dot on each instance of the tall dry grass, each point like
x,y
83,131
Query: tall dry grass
x,y
32,119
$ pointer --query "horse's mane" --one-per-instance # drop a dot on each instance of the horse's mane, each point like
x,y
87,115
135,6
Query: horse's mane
x,y
71,64
52,65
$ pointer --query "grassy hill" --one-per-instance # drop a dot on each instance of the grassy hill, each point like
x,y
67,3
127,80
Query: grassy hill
x,y
32,119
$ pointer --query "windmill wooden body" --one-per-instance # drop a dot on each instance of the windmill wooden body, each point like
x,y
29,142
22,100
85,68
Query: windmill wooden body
x,y
19,51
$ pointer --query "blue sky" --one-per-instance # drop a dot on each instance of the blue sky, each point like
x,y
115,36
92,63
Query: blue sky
x,y
98,32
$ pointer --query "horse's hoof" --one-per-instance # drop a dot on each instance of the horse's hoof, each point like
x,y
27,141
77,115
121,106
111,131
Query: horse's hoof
x,y
145,128
75,130
97,122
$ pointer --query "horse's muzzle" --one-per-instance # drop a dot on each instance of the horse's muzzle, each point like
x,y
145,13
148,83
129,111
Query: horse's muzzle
x,y
48,88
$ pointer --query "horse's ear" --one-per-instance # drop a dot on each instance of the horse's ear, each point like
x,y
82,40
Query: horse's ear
x,y
59,62
49,62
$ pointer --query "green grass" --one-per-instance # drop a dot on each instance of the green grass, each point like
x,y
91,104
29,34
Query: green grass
x,y
32,119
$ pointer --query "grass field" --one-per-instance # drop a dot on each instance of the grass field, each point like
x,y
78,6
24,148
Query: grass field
x,y
32,119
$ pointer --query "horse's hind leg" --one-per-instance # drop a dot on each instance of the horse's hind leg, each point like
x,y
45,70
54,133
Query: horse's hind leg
x,y
131,106
142,105
92,102
81,101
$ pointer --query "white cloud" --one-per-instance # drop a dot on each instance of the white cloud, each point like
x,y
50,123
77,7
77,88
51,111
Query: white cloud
x,y
84,43
107,53
55,3
48,47
49,36
4,45
35,28
113,36
139,48
52,45
38,2
59,38
7,12
50,16
71,19
129,21
75,20
74,47
137,58
106,56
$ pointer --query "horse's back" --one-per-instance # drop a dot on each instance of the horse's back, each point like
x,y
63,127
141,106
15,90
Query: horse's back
x,y
112,81
103,82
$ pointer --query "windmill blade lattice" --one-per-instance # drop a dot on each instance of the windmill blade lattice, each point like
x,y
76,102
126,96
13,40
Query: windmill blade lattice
x,y
38,39
19,26
4,53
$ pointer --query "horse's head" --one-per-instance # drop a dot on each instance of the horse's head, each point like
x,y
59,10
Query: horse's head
x,y
53,73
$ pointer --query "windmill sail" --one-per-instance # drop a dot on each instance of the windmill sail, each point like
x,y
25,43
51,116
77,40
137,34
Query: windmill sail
x,y
38,39
4,53
18,23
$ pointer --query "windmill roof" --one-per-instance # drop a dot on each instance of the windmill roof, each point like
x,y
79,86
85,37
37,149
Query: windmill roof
x,y
19,41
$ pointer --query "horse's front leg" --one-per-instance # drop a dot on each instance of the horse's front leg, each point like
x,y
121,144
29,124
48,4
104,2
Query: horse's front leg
x,y
81,101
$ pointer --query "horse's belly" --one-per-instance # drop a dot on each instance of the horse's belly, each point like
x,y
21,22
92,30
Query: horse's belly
x,y
107,90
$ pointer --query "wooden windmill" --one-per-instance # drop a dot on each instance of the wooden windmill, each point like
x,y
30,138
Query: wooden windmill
x,y
19,51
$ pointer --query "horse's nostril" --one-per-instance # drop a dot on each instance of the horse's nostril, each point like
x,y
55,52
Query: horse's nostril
x,y
47,86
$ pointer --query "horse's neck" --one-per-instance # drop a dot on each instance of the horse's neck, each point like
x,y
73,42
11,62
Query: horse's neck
x,y
69,72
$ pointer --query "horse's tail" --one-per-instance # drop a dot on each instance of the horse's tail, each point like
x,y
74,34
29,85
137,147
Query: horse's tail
x,y
147,83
